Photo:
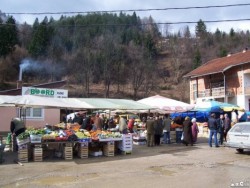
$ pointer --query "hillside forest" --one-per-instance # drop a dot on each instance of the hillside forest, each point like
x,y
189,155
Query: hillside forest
x,y
109,55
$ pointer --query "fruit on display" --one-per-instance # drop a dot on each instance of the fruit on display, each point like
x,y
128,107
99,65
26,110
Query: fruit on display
x,y
24,135
82,134
48,137
33,131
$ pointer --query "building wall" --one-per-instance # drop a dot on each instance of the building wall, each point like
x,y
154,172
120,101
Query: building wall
x,y
51,116
6,115
234,80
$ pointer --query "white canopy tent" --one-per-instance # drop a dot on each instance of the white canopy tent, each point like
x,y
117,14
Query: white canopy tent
x,y
26,101
5,98
166,104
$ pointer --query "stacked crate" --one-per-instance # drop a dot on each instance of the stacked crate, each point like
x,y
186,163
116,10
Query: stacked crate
x,y
23,154
83,150
126,144
38,153
109,149
68,152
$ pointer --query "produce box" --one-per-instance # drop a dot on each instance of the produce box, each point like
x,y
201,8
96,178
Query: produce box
x,y
24,141
23,155
38,154
36,138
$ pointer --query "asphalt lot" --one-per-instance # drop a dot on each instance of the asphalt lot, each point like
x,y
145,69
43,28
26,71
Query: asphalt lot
x,y
172,165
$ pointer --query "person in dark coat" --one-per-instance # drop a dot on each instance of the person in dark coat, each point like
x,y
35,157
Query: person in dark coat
x,y
17,127
150,132
227,126
220,129
158,131
187,131
213,126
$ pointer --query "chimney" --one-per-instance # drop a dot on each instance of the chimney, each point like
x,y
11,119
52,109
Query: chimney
x,y
19,84
19,81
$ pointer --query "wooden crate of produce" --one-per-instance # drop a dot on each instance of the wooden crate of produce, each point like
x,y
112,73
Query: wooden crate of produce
x,y
23,156
83,150
68,153
38,154
109,150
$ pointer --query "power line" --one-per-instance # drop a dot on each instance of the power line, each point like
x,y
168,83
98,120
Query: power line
x,y
143,24
127,10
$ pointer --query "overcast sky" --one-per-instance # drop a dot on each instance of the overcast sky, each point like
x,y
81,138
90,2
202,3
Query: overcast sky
x,y
192,15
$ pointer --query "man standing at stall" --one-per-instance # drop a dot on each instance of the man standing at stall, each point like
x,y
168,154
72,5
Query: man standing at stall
x,y
213,126
16,127
150,131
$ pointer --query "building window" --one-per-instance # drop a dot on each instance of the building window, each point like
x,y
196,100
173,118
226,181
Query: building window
x,y
33,113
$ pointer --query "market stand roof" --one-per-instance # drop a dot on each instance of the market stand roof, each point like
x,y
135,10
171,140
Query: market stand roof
x,y
166,104
216,106
122,104
72,103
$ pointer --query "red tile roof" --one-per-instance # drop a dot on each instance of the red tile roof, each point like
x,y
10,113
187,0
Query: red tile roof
x,y
221,64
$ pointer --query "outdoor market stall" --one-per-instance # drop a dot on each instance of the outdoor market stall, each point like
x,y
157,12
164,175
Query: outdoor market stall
x,y
70,138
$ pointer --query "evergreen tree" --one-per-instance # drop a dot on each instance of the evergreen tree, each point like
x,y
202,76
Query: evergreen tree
x,y
187,33
223,52
8,36
200,29
41,38
197,59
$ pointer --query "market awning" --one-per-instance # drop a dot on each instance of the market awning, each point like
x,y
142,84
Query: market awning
x,y
112,104
5,98
27,101
216,106
166,104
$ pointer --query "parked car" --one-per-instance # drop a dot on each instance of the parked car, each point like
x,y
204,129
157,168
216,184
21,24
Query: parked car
x,y
239,136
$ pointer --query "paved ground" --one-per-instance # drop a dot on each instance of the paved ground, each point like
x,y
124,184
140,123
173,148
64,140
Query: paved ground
x,y
172,165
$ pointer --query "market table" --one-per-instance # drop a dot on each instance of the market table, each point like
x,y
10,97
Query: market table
x,y
65,149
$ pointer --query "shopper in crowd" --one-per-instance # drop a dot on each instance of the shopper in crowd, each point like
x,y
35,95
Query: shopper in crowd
x,y
70,120
17,127
111,123
187,131
234,116
158,129
227,126
131,124
195,130
78,119
98,122
88,123
220,129
212,126
150,131
123,127
166,129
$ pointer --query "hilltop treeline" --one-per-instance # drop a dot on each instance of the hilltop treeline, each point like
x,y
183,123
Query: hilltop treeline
x,y
123,53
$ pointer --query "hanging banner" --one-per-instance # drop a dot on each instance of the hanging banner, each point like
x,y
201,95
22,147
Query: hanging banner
x,y
45,92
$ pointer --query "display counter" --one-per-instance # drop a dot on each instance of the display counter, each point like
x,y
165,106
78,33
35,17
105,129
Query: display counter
x,y
67,150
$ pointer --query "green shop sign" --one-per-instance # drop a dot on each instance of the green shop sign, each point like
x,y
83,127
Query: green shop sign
x,y
47,92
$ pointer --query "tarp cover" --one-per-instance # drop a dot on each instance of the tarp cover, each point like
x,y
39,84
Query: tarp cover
x,y
216,106
72,103
166,104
